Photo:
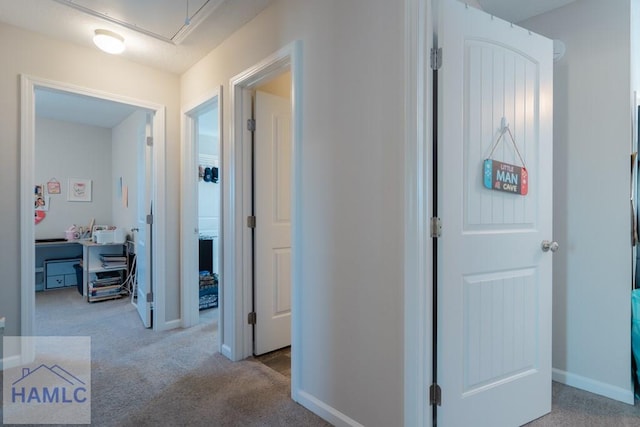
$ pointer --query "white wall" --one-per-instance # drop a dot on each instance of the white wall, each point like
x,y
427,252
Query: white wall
x,y
126,140
592,139
352,191
209,193
42,57
69,150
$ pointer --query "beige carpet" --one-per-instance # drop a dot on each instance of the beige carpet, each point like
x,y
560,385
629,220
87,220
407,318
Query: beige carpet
x,y
578,408
173,378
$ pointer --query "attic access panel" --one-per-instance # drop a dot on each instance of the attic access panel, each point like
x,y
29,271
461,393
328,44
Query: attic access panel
x,y
167,20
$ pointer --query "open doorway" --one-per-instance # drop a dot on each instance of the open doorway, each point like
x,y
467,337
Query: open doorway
x,y
93,167
201,211
237,330
116,187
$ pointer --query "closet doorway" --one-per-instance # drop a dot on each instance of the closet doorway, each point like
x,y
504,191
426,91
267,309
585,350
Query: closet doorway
x,y
201,212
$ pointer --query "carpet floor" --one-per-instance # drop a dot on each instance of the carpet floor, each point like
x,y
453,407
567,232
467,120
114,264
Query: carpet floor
x,y
177,378
572,407
170,378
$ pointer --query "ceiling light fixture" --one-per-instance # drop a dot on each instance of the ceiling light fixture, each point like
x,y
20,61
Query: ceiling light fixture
x,y
109,41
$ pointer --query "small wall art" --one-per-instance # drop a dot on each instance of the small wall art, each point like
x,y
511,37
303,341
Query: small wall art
x,y
53,186
79,190
40,201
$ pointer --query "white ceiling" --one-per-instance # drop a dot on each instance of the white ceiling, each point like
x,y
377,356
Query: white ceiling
x,y
70,107
174,34
154,30
519,10
163,19
170,35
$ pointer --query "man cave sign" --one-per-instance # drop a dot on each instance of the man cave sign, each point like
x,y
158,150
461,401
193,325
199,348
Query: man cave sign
x,y
505,177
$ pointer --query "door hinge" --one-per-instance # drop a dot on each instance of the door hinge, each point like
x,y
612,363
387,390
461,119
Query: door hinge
x,y
435,395
251,221
149,219
150,141
436,58
436,227
251,125
149,297
252,318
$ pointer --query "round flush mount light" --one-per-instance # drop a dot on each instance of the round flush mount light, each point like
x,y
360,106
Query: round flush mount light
x,y
109,41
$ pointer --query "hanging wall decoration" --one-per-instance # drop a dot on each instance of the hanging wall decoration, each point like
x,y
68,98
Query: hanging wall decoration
x,y
502,176
39,216
53,186
41,202
79,190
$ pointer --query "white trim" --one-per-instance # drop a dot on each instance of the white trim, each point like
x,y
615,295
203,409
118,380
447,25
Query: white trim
x,y
235,186
593,386
172,324
226,350
11,362
297,329
325,411
188,222
27,228
189,211
418,252
27,147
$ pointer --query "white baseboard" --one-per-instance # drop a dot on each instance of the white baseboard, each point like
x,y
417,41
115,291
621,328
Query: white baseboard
x,y
593,386
226,352
10,362
325,411
172,324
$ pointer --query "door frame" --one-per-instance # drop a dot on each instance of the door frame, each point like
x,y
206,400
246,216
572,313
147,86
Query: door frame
x,y
418,265
189,213
28,85
236,281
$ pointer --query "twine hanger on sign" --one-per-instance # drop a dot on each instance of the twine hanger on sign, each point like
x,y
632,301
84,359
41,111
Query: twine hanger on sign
x,y
505,129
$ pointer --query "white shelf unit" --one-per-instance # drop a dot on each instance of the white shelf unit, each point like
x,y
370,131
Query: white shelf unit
x,y
92,264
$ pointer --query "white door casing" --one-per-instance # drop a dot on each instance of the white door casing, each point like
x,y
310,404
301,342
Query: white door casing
x,y
272,238
236,285
494,281
190,208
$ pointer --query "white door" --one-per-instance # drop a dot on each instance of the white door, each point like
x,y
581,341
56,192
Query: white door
x,y
143,289
272,238
494,280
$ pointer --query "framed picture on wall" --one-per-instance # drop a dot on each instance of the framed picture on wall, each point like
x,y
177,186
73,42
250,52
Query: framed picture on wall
x,y
79,190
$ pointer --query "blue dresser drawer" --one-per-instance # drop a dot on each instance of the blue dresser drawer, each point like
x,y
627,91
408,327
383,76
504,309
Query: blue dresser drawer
x,y
55,282
61,280
56,267
60,273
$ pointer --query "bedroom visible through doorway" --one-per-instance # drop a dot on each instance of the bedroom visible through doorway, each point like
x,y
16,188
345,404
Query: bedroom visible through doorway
x,y
92,166
147,129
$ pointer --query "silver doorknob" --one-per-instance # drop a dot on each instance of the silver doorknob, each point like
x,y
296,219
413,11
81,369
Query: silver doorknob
x,y
549,246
